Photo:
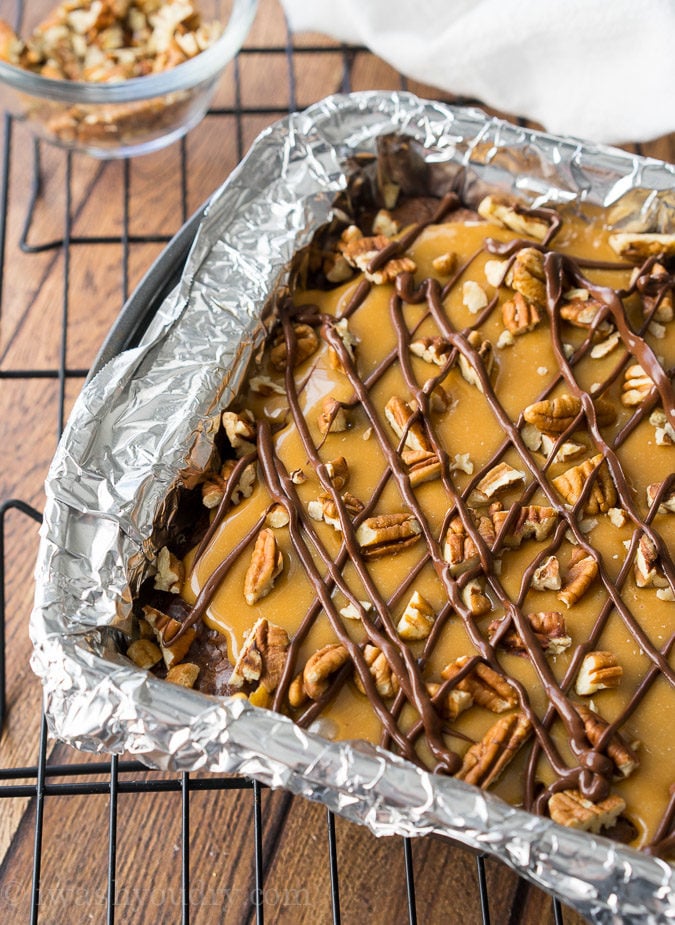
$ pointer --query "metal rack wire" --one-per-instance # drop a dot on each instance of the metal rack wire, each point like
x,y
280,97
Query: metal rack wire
x,y
44,782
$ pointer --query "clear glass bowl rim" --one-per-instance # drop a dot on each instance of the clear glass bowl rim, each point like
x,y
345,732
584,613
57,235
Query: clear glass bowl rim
x,y
203,67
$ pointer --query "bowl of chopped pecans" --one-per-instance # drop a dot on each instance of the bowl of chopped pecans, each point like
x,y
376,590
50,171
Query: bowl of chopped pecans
x,y
115,78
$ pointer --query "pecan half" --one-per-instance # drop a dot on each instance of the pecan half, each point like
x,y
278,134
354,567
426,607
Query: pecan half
x,y
417,619
459,548
581,312
306,344
624,758
319,668
262,656
581,573
267,564
639,246
401,419
386,682
602,495
488,688
572,809
555,415
599,670
387,533
485,761
527,276
422,466
636,386
519,315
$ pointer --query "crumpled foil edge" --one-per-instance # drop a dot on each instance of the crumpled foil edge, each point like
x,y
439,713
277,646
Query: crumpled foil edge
x,y
127,437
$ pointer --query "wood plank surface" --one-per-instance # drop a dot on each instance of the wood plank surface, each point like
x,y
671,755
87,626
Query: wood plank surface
x,y
62,289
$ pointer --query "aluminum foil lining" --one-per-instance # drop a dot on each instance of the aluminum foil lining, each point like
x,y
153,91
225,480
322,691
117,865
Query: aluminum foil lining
x,y
135,422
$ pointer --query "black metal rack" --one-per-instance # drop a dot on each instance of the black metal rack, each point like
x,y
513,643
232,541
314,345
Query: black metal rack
x,y
46,782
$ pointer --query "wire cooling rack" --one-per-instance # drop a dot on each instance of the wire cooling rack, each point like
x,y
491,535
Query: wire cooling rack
x,y
48,782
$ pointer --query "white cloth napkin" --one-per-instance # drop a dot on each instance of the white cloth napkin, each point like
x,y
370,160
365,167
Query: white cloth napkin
x,y
603,70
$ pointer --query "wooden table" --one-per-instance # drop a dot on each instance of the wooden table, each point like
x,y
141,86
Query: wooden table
x,y
78,235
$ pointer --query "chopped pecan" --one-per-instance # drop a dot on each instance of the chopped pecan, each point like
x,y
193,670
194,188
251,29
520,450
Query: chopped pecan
x,y
624,758
646,569
602,495
459,549
386,682
581,313
262,656
657,293
485,761
474,296
165,629
664,432
422,466
567,450
506,212
581,574
144,653
214,487
384,223
333,416
336,269
324,508
306,344
267,563
263,385
605,347
486,357
475,599
534,522
453,702
445,264
494,272
639,246
170,572
549,629
527,276
338,472
296,691
636,386
599,670
349,340
572,809
406,427
547,576
667,503
387,533
417,619
240,430
359,251
277,517
319,668
185,674
431,349
352,612
499,478
519,315
488,688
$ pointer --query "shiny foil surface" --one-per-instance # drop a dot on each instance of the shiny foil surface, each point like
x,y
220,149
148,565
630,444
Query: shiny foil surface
x,y
136,422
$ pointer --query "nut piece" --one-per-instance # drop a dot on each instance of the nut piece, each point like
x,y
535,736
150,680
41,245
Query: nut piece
x,y
534,522
547,576
338,472
497,479
262,656
459,548
647,571
277,517
636,386
581,574
494,272
359,251
431,349
664,432
549,629
571,808
657,293
527,276
144,653
306,344
444,264
240,430
385,224
333,416
485,355
417,619
386,682
519,315
667,503
474,296
453,703
319,668
475,599
581,312
402,421
555,415
599,670
296,691
602,495
422,466
624,758
488,688
638,247
185,674
507,212
166,629
267,563
170,572
485,761
215,486
387,533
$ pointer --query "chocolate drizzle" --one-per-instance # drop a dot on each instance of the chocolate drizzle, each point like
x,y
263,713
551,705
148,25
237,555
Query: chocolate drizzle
x,y
592,770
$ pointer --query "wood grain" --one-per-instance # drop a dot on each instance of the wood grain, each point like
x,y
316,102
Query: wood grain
x,y
59,298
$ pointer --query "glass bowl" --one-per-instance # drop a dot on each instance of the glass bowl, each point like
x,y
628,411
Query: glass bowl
x,y
125,117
